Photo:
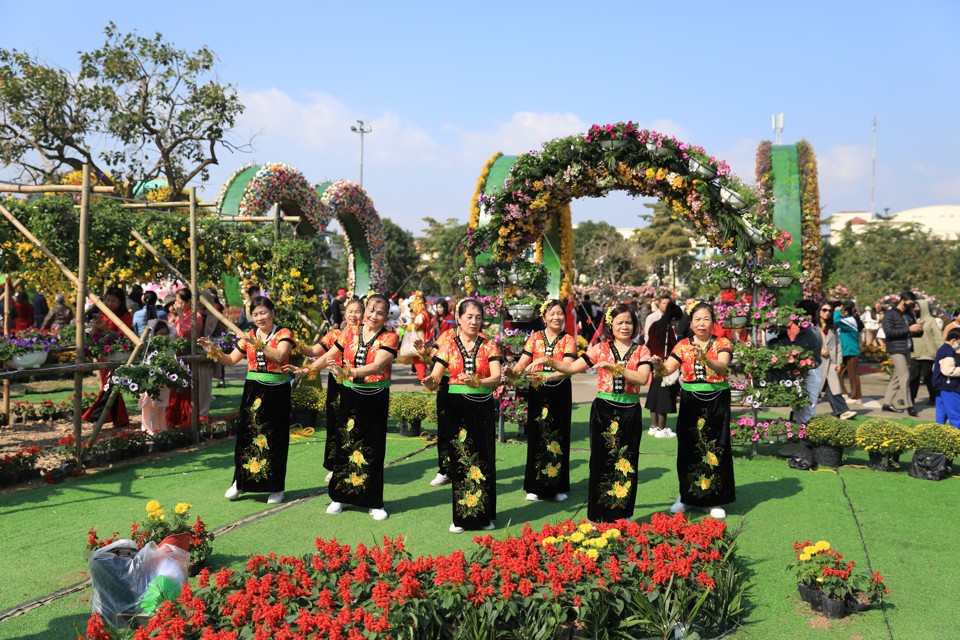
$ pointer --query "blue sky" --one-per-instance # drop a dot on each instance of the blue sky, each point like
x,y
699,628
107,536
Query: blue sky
x,y
446,84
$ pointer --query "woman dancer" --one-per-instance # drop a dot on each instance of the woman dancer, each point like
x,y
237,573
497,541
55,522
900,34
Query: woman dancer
x,y
616,425
473,364
547,473
263,433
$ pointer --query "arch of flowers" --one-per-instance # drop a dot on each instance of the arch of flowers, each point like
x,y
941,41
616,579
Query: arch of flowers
x,y
701,192
253,189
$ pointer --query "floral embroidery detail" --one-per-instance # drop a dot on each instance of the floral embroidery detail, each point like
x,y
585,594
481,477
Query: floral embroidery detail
x,y
353,478
549,458
703,479
471,499
256,457
616,486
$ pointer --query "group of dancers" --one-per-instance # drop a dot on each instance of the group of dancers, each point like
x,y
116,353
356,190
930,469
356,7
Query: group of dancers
x,y
466,368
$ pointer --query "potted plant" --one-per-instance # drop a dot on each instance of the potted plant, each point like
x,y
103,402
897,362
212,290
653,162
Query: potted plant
x,y
829,436
108,346
738,391
157,372
158,526
778,318
410,409
700,164
777,274
826,580
522,308
27,349
307,402
513,340
935,447
733,314
884,440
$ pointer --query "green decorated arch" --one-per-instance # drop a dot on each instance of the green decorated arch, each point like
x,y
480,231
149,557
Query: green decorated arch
x,y
513,214
253,189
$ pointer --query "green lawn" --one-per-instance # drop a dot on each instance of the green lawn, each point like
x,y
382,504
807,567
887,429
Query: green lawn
x,y
903,524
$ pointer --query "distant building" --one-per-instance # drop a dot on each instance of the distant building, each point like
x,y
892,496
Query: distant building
x,y
940,220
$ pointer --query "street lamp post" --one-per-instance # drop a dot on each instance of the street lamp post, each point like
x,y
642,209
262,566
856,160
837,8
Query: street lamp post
x,y
362,128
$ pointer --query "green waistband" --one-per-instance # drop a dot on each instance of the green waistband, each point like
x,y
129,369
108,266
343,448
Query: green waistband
x,y
705,386
464,389
262,376
367,385
622,398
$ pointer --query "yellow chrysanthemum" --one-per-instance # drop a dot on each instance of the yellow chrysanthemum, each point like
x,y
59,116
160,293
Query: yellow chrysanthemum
x,y
805,556
475,474
357,458
182,508
612,533
822,545
157,515
593,554
711,459
621,490
253,466
577,536
549,540
260,441
152,506
600,542
810,549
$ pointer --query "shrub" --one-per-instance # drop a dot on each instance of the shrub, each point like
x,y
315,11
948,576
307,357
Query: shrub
x,y
886,437
832,432
937,438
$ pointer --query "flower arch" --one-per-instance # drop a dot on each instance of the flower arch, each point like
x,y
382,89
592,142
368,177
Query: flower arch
x,y
253,189
701,191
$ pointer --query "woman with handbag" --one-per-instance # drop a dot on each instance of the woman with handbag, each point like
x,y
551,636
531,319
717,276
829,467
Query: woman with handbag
x,y
662,396
550,403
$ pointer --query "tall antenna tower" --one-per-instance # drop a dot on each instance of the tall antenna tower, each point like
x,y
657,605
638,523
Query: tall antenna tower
x,y
778,120
873,171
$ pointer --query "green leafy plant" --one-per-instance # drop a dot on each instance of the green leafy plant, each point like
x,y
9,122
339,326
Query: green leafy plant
x,y
309,395
831,431
157,372
106,344
937,438
885,437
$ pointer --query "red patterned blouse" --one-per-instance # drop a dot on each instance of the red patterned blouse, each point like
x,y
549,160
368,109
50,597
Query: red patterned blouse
x,y
538,346
690,370
357,354
454,357
256,361
633,359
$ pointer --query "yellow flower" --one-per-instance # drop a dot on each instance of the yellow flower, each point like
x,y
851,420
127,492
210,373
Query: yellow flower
x,y
260,441
554,447
705,482
552,470
471,499
350,424
614,426
462,435
294,273
804,557
182,508
711,459
577,536
152,506
356,479
611,533
623,466
620,490
357,458
157,515
822,545
585,527
810,550
593,554
549,540
256,403
543,413
253,466
600,542
475,474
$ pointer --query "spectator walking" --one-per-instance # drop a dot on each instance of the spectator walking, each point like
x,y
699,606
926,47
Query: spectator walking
x,y
899,327
924,349
60,315
848,326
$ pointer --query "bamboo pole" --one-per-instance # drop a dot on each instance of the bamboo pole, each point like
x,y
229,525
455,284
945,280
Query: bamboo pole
x,y
172,269
70,275
111,398
6,332
194,329
81,316
51,188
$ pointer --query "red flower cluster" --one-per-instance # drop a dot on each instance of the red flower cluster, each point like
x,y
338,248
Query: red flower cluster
x,y
344,593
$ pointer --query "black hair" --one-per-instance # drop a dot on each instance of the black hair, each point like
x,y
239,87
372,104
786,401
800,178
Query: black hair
x,y
260,301
462,307
377,296
352,300
953,334
616,311
150,304
909,296
826,323
185,295
551,304
850,307
119,294
21,297
704,305
442,302
253,291
662,326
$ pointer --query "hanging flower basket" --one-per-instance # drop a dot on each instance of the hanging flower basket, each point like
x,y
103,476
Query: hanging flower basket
x,y
755,236
522,312
732,199
701,169
735,322
610,145
780,282
659,151
118,356
29,360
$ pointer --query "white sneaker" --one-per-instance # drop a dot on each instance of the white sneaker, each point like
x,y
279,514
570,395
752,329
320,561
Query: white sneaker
x,y
455,529
334,508
489,527
232,493
661,433
560,497
855,401
717,513
846,415
378,514
275,498
678,507
532,497
439,480
652,431
668,433
328,477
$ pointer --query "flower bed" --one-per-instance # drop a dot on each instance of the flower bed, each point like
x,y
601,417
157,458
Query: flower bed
x,y
613,579
827,580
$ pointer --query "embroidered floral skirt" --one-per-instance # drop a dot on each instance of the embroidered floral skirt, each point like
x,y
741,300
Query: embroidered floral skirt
x,y
615,431
362,441
330,446
443,431
704,456
548,440
263,437
473,464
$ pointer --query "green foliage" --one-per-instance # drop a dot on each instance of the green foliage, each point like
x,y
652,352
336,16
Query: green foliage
x,y
886,437
154,110
601,254
404,263
440,242
664,244
413,405
937,438
830,431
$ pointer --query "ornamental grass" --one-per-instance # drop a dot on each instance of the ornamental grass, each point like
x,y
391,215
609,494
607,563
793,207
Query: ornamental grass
x,y
612,580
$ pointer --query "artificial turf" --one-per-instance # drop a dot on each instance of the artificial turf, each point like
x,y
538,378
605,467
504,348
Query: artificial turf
x,y
904,525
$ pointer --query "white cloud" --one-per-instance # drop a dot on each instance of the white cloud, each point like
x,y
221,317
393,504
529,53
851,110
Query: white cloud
x,y
845,163
524,132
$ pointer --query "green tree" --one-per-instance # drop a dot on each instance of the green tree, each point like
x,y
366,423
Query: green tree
x,y
601,254
888,258
664,244
404,264
439,245
150,109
